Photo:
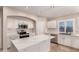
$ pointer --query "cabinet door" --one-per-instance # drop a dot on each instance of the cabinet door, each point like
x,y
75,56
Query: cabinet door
x,y
51,24
64,40
60,39
75,42
30,25
67,41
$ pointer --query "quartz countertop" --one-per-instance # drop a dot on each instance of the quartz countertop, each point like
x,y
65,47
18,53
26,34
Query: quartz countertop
x,y
26,42
77,35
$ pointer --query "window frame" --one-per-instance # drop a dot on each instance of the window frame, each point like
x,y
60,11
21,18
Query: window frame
x,y
65,22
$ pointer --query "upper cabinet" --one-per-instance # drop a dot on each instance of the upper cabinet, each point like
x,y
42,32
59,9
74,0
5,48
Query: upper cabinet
x,y
30,25
51,24
12,23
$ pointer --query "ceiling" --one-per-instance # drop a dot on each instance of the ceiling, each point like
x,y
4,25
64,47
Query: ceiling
x,y
47,11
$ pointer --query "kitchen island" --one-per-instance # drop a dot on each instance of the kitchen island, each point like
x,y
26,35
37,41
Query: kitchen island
x,y
37,43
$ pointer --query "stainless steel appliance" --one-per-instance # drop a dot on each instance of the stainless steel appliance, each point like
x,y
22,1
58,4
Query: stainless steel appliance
x,y
54,40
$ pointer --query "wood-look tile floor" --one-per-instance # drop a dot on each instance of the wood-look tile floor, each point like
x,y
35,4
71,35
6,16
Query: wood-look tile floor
x,y
53,48
61,48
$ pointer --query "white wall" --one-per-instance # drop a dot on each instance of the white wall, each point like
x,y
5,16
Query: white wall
x,y
41,25
77,25
0,28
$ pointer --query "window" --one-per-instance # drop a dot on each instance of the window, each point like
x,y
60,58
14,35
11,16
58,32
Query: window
x,y
69,26
62,27
65,26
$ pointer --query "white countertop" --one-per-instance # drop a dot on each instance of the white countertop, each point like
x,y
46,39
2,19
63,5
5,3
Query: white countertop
x,y
26,42
77,35
52,32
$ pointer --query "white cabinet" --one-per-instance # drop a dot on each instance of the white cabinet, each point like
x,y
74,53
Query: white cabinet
x,y
75,42
60,39
14,22
71,41
67,41
30,25
64,40
52,24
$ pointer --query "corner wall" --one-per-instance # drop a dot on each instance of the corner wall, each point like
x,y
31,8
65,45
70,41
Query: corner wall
x,y
41,25
1,29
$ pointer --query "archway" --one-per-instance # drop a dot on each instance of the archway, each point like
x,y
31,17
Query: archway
x,y
12,22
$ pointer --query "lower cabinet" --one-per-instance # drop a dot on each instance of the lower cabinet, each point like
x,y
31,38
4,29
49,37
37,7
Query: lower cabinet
x,y
60,39
71,41
64,40
75,42
67,41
